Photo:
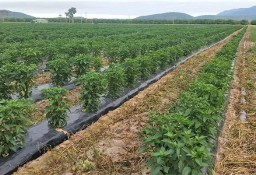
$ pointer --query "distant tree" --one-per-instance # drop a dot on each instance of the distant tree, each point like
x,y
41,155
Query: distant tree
x,y
230,21
4,14
71,13
66,13
244,22
60,17
253,22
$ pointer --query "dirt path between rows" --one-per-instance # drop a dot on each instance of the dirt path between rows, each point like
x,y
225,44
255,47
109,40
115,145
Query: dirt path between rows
x,y
237,142
110,146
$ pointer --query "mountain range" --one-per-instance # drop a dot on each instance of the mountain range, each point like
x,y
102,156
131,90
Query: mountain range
x,y
235,14
10,14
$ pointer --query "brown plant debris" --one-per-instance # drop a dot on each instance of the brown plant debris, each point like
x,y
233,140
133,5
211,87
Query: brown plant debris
x,y
237,143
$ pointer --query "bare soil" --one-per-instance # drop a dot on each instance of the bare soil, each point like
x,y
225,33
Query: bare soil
x,y
110,145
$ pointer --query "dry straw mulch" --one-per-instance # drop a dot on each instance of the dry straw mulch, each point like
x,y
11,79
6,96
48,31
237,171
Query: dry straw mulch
x,y
237,143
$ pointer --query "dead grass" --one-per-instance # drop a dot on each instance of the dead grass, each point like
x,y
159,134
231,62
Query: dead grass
x,y
110,145
43,78
237,144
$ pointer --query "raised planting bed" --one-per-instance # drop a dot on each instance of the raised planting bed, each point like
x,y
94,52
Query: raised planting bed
x,y
236,146
77,121
183,140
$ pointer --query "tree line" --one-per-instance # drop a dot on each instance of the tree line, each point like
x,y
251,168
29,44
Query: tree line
x,y
70,18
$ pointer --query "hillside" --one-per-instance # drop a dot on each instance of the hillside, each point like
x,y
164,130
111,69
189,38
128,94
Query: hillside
x,y
235,14
10,14
207,17
242,13
166,16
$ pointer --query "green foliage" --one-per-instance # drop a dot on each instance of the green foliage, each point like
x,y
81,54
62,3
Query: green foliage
x,y
210,78
60,71
5,84
30,56
97,63
161,58
115,80
146,67
253,22
182,140
23,56
253,34
209,92
18,78
83,64
199,111
150,46
219,71
14,115
123,53
178,150
56,111
131,70
112,55
70,14
93,87
244,22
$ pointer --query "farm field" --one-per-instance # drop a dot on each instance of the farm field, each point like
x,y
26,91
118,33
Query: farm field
x,y
236,149
123,55
68,51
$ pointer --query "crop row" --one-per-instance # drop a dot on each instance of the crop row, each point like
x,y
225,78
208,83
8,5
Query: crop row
x,y
112,47
182,141
18,78
94,85
24,33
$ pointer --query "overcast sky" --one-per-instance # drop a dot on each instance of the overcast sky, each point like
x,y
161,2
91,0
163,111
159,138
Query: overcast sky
x,y
121,8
